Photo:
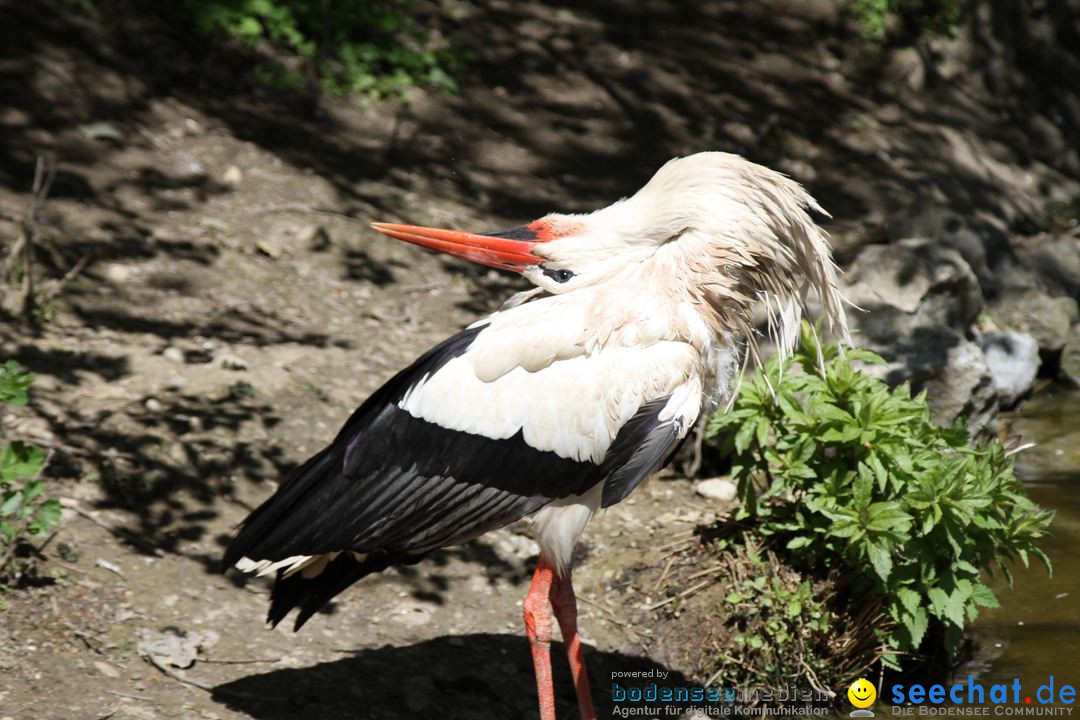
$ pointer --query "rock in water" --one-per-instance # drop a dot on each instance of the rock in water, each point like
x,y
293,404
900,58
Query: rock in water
x,y
1058,265
1046,318
1013,360
1070,355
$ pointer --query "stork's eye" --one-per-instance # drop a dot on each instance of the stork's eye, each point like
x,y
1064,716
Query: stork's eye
x,y
559,276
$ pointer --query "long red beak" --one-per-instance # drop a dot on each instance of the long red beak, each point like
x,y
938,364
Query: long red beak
x,y
506,250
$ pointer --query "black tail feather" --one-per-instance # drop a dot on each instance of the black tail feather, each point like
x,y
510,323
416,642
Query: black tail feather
x,y
259,524
311,594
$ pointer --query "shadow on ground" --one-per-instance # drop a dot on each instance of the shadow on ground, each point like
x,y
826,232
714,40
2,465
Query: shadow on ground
x,y
469,677
561,107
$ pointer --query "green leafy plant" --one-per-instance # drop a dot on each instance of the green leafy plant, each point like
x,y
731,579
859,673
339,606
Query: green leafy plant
x,y
371,48
919,18
790,621
839,471
24,511
14,384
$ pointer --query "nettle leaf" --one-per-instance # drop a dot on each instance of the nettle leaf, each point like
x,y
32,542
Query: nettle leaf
x,y
744,436
887,517
863,490
917,624
879,471
984,596
938,599
909,599
954,608
800,541
881,559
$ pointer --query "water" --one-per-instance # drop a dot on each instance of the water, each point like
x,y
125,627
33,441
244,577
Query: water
x,y
1036,631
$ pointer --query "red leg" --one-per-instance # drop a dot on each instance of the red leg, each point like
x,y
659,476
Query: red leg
x,y
538,628
565,605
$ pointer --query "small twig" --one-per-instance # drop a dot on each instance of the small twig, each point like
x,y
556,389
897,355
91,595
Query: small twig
x,y
142,698
44,172
613,618
422,287
111,567
90,642
13,256
109,714
693,465
815,682
176,674
676,546
40,549
683,594
1019,449
703,573
69,568
297,208
247,661
663,575
70,275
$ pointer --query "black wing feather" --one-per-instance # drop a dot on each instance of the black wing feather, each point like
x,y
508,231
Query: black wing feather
x,y
396,487
643,446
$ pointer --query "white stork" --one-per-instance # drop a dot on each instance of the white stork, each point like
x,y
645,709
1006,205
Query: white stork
x,y
561,402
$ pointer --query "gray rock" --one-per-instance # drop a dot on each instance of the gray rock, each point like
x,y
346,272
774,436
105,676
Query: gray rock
x,y
173,354
1070,355
1058,265
313,237
1046,318
984,247
1013,360
906,69
963,388
233,175
232,362
917,277
920,299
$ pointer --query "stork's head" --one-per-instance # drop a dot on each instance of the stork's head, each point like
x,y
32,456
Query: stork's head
x,y
730,233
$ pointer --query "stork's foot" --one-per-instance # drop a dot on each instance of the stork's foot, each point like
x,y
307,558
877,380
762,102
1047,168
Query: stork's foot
x,y
547,585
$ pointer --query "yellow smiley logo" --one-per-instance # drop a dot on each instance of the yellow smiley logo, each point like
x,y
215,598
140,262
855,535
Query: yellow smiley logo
x,y
862,693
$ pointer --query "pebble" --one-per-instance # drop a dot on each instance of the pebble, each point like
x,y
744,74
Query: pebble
x,y
717,489
176,383
173,354
106,669
153,405
233,175
231,362
413,617
313,237
117,273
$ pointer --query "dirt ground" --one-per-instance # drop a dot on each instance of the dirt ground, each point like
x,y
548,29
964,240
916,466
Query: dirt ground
x,y
235,308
